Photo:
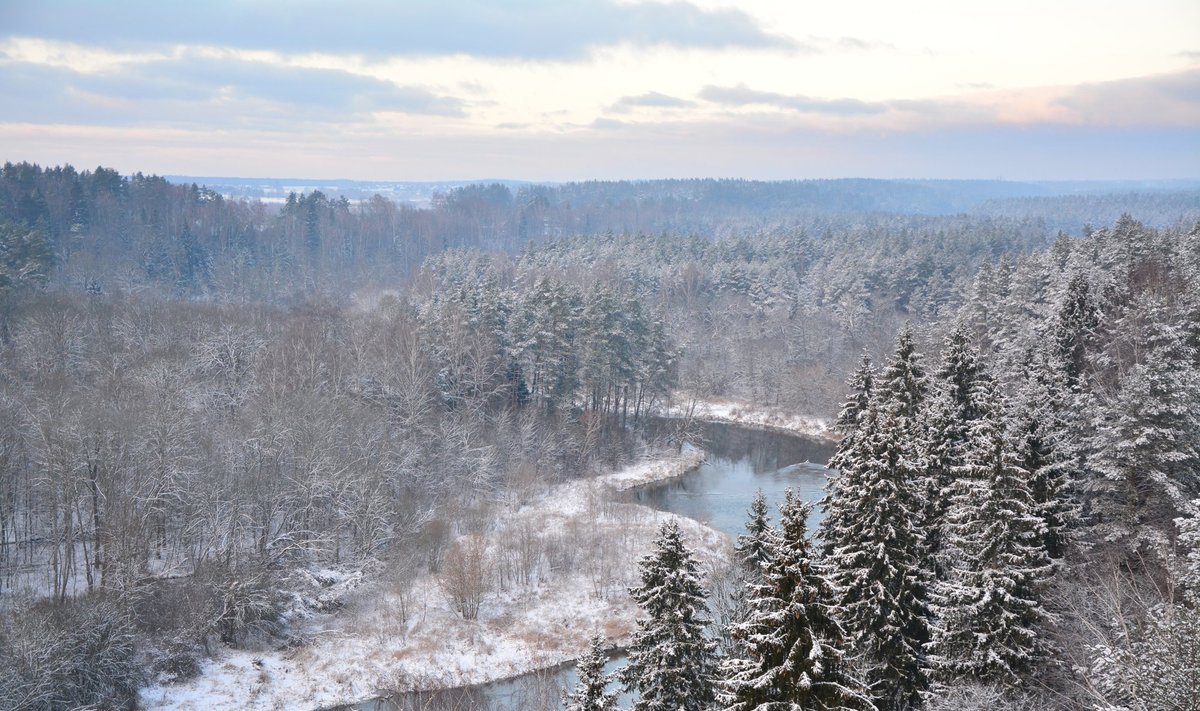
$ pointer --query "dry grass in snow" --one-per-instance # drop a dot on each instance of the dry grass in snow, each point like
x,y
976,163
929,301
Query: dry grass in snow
x,y
556,571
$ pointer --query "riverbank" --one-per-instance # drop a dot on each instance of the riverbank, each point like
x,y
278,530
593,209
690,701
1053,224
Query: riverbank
x,y
744,414
559,571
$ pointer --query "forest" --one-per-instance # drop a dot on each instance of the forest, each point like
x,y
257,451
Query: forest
x,y
217,410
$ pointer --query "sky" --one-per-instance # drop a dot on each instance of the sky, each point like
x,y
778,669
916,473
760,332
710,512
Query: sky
x,y
554,90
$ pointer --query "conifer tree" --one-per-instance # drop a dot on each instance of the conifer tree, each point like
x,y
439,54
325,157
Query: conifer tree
x,y
989,610
1045,449
958,378
1147,440
1078,319
752,549
952,410
672,663
903,386
792,648
753,545
845,461
591,690
874,535
860,384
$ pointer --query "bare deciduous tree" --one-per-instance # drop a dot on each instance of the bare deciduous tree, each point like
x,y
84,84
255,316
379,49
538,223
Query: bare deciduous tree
x,y
465,576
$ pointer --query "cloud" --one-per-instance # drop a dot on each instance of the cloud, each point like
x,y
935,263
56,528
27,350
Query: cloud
x,y
861,45
194,89
1162,100
606,124
522,29
1159,100
651,99
741,95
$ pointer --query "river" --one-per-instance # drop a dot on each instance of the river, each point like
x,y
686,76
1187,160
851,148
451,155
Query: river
x,y
740,462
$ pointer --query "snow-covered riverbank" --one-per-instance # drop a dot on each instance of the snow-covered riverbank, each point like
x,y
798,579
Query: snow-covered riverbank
x,y
749,415
404,634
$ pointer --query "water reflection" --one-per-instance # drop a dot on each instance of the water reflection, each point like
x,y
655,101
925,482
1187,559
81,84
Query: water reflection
x,y
740,462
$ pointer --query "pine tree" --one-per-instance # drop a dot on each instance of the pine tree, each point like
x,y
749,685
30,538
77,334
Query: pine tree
x,y
860,385
1147,441
729,597
672,664
1078,319
874,535
989,610
872,530
903,386
792,647
1045,449
959,376
753,546
845,461
590,691
876,565
952,410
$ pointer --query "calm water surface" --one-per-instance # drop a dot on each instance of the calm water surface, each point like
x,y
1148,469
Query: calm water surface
x,y
740,462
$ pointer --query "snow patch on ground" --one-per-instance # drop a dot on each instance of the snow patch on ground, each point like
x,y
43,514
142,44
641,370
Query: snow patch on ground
x,y
750,415
652,471
398,633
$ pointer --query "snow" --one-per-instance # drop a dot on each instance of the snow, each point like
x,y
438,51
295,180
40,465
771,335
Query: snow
x,y
746,414
367,646
653,470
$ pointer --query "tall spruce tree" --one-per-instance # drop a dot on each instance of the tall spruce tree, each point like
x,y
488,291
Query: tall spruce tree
x,y
591,692
990,615
874,536
792,648
850,451
952,409
1075,327
1147,440
753,545
860,384
729,601
1046,450
672,663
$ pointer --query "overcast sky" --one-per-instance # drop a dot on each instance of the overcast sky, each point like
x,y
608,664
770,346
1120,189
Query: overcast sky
x,y
575,89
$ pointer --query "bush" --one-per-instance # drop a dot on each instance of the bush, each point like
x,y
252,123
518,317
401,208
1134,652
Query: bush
x,y
178,662
243,607
214,603
465,577
79,654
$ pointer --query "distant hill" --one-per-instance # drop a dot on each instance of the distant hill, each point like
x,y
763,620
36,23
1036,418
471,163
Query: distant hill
x,y
848,195
413,193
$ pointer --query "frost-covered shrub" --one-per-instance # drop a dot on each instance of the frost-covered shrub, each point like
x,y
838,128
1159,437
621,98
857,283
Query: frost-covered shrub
x,y
981,697
178,662
1155,665
230,607
77,655
243,607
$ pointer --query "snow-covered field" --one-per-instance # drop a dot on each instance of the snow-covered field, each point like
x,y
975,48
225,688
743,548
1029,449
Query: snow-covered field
x,y
749,415
587,543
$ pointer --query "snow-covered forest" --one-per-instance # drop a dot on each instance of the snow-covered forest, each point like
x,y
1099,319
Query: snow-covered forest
x,y
220,417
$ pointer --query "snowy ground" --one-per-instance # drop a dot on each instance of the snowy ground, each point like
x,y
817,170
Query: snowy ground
x,y
587,544
749,415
